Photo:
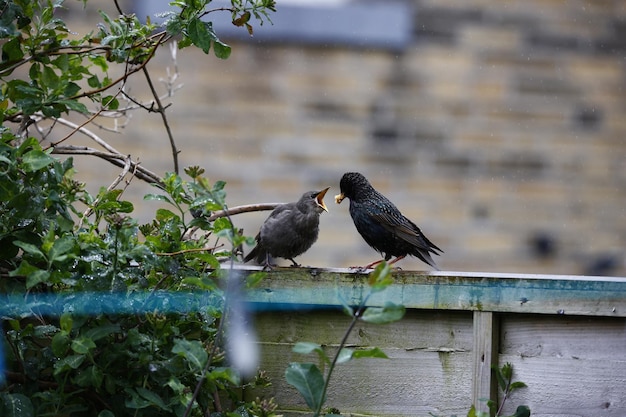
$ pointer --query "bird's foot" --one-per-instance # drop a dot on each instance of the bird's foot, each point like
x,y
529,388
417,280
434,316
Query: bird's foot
x,y
359,269
268,267
294,264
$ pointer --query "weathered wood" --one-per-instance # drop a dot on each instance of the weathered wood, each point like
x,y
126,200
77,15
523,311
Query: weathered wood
x,y
429,367
441,290
485,354
565,336
572,366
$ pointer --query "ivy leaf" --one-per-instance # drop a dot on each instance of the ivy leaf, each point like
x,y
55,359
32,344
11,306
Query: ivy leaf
x,y
308,380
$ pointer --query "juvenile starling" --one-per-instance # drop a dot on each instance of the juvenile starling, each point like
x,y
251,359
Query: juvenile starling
x,y
381,224
290,230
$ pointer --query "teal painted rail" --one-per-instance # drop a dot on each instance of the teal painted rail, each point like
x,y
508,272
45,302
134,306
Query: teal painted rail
x,y
444,290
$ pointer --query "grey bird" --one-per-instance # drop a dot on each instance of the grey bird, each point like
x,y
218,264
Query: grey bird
x,y
290,230
381,224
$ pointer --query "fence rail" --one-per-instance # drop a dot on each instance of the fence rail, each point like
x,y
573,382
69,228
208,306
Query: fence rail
x,y
564,335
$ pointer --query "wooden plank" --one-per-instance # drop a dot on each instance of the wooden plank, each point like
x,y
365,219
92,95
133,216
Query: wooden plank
x,y
429,369
485,354
519,293
573,366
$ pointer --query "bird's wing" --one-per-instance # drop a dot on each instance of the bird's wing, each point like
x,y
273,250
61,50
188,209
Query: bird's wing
x,y
403,228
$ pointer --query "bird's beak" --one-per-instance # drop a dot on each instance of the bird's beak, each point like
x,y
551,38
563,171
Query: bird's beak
x,y
319,198
339,198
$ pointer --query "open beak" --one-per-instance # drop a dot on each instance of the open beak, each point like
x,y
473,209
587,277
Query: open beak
x,y
319,199
339,198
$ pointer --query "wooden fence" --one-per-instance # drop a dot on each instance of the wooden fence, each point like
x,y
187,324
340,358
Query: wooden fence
x,y
564,335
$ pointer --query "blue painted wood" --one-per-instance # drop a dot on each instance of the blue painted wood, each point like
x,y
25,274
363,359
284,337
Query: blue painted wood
x,y
442,290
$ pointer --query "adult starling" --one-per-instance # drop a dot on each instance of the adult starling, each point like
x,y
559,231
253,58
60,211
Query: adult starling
x,y
381,224
290,230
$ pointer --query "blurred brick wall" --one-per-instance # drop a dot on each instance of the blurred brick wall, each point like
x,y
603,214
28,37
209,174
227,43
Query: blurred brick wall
x,y
500,131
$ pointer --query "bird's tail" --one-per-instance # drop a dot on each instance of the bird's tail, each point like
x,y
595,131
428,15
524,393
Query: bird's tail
x,y
254,253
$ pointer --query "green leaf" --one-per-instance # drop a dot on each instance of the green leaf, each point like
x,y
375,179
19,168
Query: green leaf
x,y
36,277
102,331
67,363
522,411
516,385
91,376
507,371
306,348
345,355
35,160
60,343
199,35
60,248
221,50
82,345
66,322
224,374
30,249
369,353
157,197
380,278
153,398
309,381
192,351
49,78
16,405
254,279
74,105
380,315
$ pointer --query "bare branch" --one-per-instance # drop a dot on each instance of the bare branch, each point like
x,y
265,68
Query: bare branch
x,y
242,209
116,159
82,129
161,110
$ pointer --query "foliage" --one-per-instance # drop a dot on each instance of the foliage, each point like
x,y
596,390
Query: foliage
x,y
100,315
504,376
308,379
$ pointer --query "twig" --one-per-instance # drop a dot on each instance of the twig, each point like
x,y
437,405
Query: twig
x,y
242,209
193,250
161,110
116,159
82,129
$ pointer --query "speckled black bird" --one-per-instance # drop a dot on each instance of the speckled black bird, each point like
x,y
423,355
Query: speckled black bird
x,y
381,224
290,230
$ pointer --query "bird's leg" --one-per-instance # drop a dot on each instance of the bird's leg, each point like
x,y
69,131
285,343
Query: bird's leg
x,y
294,264
397,259
267,266
369,266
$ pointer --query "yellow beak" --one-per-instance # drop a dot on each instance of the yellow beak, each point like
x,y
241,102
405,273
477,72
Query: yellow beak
x,y
339,198
319,198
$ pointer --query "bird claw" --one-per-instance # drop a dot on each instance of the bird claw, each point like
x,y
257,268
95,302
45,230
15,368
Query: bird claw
x,y
359,269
